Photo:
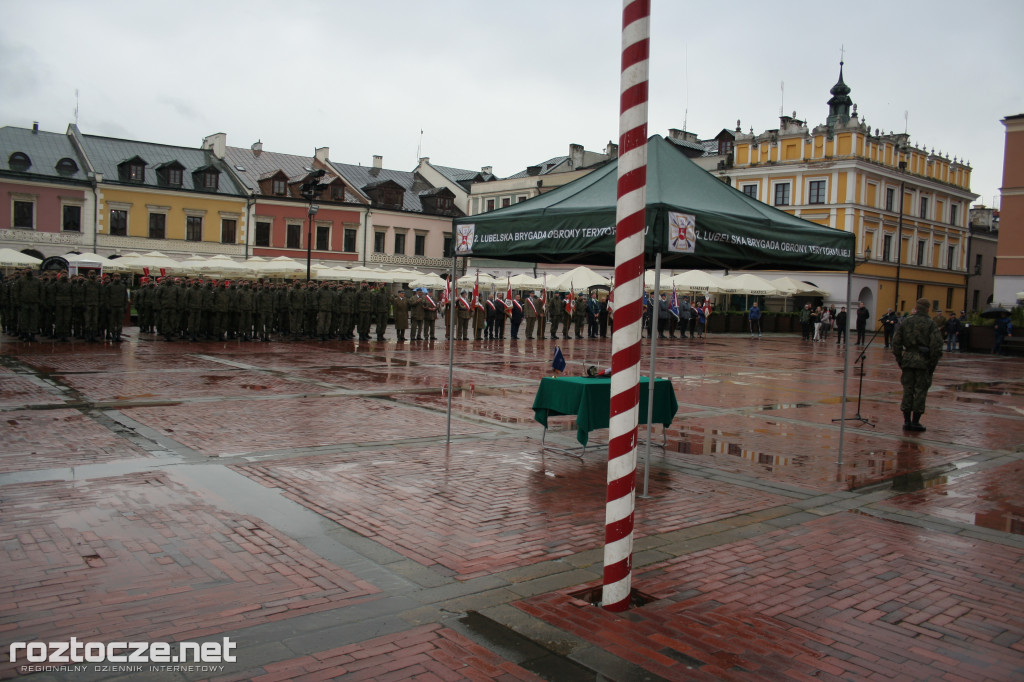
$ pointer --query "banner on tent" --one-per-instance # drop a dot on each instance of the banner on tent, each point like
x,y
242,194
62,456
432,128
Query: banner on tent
x,y
685,236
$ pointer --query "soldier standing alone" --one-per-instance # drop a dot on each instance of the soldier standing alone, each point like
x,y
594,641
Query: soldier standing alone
x,y
917,345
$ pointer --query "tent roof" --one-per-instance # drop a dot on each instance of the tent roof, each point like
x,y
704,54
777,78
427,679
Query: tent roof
x,y
575,223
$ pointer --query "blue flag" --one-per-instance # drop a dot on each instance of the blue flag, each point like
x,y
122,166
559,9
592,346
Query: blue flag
x,y
558,363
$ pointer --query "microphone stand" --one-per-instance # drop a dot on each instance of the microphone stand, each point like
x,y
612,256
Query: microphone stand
x,y
860,386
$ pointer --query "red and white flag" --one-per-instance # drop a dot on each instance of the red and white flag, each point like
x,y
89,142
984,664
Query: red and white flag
x,y
570,303
508,293
476,293
446,297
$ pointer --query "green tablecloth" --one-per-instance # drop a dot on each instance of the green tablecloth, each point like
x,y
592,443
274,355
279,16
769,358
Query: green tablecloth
x,y
590,400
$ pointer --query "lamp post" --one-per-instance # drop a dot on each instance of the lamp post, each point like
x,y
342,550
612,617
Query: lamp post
x,y
310,190
899,231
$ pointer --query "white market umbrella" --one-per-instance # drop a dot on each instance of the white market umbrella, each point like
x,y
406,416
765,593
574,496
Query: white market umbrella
x,y
282,266
527,282
665,283
580,279
92,260
697,281
335,273
9,258
403,276
747,283
430,281
470,280
789,286
154,260
361,273
224,266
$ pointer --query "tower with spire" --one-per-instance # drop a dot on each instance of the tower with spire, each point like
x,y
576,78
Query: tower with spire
x,y
839,104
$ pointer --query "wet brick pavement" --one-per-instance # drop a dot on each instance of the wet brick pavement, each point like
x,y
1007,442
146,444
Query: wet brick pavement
x,y
299,499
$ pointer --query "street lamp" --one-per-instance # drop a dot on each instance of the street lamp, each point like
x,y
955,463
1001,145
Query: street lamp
x,y
899,229
310,190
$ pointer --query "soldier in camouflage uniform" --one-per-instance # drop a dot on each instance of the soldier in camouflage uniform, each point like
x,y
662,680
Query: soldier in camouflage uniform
x,y
364,308
381,309
117,301
917,345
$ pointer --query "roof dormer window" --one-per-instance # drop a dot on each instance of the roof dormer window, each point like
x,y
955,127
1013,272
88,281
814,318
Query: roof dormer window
x,y
206,177
19,161
280,187
66,166
132,170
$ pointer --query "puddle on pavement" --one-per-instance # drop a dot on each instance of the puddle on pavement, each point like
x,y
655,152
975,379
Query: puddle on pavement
x,y
992,387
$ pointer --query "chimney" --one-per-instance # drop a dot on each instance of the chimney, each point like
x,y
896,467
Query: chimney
x,y
487,170
611,150
322,154
575,156
257,148
378,161
217,143
35,127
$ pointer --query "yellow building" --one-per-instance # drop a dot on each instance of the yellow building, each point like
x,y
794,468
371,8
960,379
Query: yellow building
x,y
177,200
908,206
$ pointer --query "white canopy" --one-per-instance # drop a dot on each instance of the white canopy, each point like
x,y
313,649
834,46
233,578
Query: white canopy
x,y
429,281
9,258
403,276
579,279
527,282
697,281
469,280
282,266
747,283
154,260
92,260
362,273
788,286
224,266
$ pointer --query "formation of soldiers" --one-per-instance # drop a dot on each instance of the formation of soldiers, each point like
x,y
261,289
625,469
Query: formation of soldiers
x,y
89,307
263,310
53,305
93,308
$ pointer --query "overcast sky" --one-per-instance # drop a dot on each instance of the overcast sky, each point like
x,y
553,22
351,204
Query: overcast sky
x,y
504,84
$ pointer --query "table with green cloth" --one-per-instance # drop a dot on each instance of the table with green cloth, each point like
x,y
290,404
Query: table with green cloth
x,y
589,398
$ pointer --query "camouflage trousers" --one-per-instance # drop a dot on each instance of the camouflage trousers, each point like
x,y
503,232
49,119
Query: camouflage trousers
x,y
916,383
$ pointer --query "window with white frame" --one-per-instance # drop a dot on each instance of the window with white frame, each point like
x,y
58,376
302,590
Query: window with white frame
x,y
816,192
782,194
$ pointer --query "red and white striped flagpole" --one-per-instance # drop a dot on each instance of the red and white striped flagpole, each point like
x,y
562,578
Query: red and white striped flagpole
x,y
629,279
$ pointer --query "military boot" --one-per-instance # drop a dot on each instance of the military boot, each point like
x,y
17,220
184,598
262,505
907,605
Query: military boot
x,y
915,424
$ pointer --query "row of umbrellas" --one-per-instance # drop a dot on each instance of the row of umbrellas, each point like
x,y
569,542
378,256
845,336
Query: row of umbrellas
x,y
578,279
692,281
220,266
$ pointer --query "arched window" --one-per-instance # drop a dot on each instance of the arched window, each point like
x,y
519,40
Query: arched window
x,y
19,161
67,166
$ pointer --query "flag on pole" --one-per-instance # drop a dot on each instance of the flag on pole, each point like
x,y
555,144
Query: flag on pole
x,y
674,308
446,297
570,303
163,272
508,293
145,271
476,293
558,362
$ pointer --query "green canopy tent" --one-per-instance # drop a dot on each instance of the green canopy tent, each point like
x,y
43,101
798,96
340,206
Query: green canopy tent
x,y
693,221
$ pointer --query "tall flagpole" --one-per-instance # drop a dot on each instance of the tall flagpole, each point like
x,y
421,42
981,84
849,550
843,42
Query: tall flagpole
x,y
629,273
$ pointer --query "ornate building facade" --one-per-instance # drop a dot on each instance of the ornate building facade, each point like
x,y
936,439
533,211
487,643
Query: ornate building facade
x,y
908,206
